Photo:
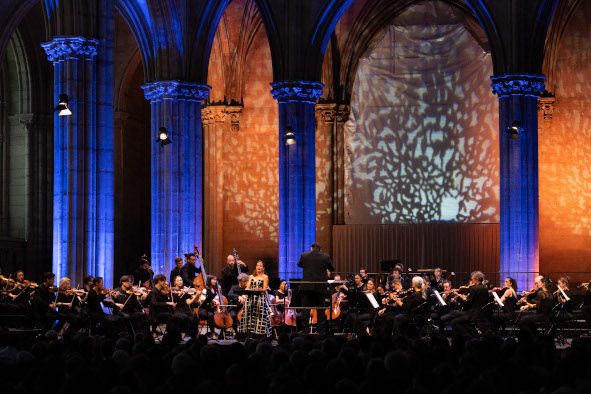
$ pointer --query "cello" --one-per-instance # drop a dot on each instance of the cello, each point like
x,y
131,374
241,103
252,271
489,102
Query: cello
x,y
290,314
221,316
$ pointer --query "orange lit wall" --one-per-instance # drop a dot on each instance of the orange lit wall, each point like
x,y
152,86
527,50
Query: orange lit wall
x,y
565,155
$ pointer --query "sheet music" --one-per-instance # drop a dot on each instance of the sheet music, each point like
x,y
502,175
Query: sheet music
x,y
497,299
439,298
372,300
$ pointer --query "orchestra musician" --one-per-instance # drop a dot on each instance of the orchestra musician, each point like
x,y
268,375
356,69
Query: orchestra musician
x,y
68,305
98,297
473,304
144,272
189,270
183,298
508,296
45,298
256,319
237,299
538,309
315,265
397,274
176,271
230,273
208,303
128,299
358,283
405,308
437,280
363,275
161,304
563,299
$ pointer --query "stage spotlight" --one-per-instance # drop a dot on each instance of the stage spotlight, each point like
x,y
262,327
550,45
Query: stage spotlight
x,y
163,137
289,136
62,106
514,130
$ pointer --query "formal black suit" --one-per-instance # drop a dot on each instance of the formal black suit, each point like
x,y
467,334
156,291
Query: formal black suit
x,y
477,299
314,265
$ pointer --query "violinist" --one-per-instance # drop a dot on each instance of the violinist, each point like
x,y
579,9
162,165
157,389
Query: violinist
x,y
408,307
127,299
508,296
563,299
451,305
538,309
21,293
363,275
161,303
68,305
45,298
358,283
183,297
209,302
239,299
97,302
473,304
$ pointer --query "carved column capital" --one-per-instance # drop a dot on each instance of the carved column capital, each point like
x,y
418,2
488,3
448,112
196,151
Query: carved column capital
x,y
331,112
175,90
222,114
302,91
505,85
63,48
546,106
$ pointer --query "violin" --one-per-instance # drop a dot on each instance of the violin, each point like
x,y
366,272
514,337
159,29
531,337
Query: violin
x,y
525,295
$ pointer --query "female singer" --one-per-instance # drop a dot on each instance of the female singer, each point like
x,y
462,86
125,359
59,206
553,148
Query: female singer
x,y
256,318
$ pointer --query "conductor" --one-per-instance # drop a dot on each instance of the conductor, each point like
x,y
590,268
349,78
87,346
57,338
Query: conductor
x,y
316,268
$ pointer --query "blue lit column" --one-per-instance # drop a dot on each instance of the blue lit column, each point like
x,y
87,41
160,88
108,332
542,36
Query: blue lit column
x,y
177,170
519,222
83,161
297,177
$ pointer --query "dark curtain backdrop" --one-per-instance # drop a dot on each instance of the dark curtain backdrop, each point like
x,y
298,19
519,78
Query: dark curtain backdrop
x,y
458,247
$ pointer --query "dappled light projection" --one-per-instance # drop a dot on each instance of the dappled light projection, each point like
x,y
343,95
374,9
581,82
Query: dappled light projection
x,y
421,139
565,154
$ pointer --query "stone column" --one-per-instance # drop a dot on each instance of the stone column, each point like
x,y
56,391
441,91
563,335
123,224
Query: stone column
x,y
330,175
177,170
83,164
217,120
297,177
519,219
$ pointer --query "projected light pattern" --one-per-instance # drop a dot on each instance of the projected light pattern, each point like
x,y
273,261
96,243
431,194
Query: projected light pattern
x,y
421,140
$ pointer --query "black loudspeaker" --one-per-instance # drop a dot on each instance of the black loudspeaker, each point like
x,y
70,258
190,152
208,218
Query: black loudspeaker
x,y
388,265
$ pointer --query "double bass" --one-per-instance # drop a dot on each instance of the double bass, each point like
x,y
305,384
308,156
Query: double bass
x,y
290,314
201,279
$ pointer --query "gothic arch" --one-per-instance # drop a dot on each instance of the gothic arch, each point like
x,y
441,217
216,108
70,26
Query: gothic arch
x,y
373,17
560,21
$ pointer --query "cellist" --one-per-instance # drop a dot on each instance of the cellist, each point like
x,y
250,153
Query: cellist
x,y
237,299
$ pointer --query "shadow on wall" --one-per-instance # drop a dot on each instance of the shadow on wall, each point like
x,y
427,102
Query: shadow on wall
x,y
421,140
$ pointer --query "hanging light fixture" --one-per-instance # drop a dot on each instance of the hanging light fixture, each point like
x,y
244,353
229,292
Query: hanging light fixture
x,y
163,137
514,130
62,106
289,136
